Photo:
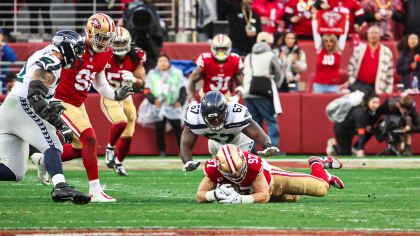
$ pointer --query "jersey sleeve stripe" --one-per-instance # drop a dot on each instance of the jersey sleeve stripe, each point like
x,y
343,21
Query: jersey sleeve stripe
x,y
238,124
200,62
191,126
359,12
289,10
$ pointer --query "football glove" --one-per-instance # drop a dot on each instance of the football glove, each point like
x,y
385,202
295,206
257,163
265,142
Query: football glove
x,y
191,165
57,108
128,76
123,92
193,102
269,150
66,133
234,99
232,198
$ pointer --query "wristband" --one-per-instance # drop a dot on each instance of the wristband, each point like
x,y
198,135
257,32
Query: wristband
x,y
240,89
267,145
211,196
247,199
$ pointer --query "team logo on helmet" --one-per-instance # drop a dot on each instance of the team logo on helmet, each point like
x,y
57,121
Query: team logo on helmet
x,y
95,23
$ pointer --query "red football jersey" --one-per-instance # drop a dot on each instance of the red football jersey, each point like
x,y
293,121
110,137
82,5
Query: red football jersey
x,y
254,168
74,84
113,70
352,7
216,77
327,68
296,8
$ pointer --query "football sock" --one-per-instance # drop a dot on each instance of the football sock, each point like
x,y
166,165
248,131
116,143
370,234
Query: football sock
x,y
6,174
123,149
90,159
116,132
318,171
52,161
58,178
93,184
70,153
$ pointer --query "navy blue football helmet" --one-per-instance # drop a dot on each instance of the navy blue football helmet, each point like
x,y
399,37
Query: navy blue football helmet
x,y
214,109
71,46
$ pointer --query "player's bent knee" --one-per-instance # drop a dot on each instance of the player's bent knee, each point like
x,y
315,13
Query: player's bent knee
x,y
19,177
321,190
88,137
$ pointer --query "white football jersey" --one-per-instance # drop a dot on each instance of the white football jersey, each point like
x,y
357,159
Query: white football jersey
x,y
238,118
43,59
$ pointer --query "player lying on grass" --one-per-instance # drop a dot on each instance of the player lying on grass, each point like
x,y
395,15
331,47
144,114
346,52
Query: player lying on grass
x,y
223,123
251,179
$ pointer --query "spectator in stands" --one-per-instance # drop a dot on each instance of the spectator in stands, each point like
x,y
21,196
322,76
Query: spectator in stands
x,y
375,15
33,9
271,13
351,7
10,81
244,25
7,15
355,122
166,94
6,55
408,64
82,16
299,15
329,50
409,16
292,61
277,40
371,65
265,66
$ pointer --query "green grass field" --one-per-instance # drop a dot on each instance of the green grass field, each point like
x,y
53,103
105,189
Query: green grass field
x,y
372,199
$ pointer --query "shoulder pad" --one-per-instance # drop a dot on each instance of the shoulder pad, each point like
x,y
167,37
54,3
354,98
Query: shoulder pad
x,y
203,58
193,118
48,64
239,116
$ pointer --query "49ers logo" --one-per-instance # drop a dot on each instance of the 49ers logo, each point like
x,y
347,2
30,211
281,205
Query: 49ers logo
x,y
331,18
95,23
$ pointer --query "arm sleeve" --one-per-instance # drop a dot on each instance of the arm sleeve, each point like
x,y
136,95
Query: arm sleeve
x,y
359,19
362,141
370,17
275,68
226,5
289,12
150,97
397,16
317,36
403,68
343,37
102,86
9,53
182,95
317,4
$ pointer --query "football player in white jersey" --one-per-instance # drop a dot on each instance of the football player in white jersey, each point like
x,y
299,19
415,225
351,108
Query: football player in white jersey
x,y
27,117
223,123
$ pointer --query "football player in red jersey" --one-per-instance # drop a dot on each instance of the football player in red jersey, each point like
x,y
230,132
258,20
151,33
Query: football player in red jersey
x,y
72,91
254,180
125,68
217,69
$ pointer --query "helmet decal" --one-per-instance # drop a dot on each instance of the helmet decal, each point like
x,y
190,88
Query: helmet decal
x,y
95,23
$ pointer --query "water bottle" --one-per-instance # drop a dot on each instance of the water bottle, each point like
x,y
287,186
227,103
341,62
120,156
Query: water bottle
x,y
415,85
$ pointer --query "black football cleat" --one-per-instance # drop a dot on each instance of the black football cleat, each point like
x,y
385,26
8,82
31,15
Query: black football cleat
x,y
62,193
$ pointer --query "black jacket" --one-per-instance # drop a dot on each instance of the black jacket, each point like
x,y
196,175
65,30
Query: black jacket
x,y
357,118
411,18
237,25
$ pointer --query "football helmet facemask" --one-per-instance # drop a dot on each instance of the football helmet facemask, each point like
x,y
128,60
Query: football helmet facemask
x,y
122,42
100,29
221,46
214,109
232,163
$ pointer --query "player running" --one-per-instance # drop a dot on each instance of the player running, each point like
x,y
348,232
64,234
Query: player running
x,y
125,68
222,123
257,181
26,117
73,90
217,69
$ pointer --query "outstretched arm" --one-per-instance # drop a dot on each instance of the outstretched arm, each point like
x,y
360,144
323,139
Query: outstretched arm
x,y
196,75
102,86
254,132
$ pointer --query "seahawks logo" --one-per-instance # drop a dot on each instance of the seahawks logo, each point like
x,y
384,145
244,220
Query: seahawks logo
x,y
95,23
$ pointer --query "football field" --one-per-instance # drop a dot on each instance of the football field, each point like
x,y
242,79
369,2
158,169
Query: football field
x,y
382,199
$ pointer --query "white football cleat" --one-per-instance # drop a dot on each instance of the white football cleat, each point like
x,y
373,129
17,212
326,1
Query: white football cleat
x,y
38,161
98,195
335,181
327,162
110,157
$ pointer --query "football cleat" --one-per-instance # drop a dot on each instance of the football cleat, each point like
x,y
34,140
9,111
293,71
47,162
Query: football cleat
x,y
98,195
327,162
38,161
120,170
110,157
335,181
62,192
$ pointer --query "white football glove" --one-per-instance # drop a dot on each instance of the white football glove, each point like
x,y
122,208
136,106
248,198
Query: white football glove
x,y
269,150
128,76
223,191
232,199
193,103
234,99
191,165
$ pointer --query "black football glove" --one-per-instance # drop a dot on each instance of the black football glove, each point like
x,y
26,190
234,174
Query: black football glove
x,y
57,108
66,133
123,92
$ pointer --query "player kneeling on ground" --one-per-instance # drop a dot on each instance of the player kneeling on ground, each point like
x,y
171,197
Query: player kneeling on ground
x,y
223,123
252,179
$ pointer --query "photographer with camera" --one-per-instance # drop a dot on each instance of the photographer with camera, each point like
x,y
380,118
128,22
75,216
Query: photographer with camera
x,y
403,107
355,122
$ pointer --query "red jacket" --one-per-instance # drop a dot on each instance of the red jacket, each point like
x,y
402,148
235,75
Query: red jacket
x,y
272,10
